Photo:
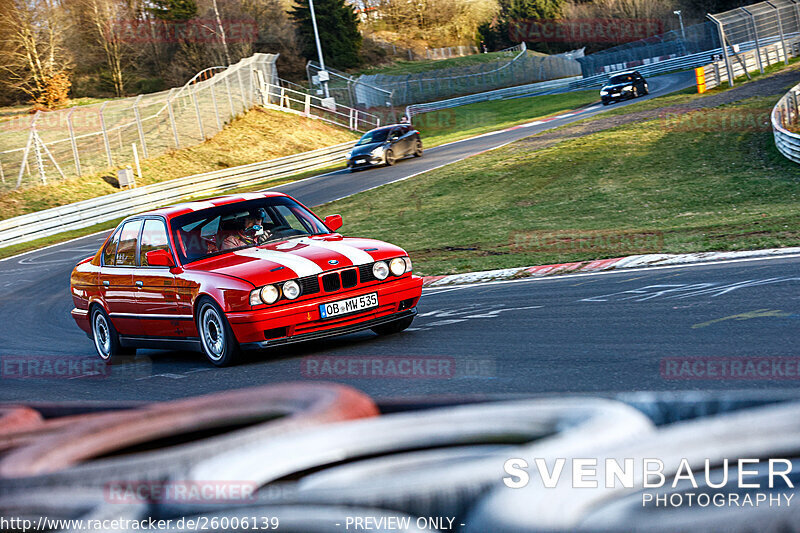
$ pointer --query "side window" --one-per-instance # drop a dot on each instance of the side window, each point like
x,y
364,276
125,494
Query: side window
x,y
110,251
290,217
154,237
129,236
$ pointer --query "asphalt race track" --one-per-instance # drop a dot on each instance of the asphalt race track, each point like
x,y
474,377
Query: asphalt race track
x,y
617,331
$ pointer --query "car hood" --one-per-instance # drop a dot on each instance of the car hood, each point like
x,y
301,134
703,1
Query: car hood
x,y
365,148
617,86
297,258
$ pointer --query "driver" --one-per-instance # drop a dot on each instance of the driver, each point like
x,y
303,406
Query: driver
x,y
252,234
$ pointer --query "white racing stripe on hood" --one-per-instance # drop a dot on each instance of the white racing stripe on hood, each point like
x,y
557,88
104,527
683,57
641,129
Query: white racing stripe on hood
x,y
302,267
355,255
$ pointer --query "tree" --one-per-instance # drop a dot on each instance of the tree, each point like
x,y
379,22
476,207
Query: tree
x,y
338,31
173,10
33,58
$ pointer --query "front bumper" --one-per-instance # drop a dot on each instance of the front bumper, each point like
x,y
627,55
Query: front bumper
x,y
364,161
296,322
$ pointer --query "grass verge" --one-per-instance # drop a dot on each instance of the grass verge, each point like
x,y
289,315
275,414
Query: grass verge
x,y
448,125
672,190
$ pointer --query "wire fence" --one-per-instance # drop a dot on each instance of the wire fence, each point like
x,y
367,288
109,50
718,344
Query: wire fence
x,y
521,67
663,47
291,98
756,27
87,139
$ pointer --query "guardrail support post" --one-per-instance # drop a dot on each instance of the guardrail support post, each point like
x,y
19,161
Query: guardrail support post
x,y
105,135
73,143
307,105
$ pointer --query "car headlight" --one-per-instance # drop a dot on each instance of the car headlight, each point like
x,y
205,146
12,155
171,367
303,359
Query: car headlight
x,y
380,270
349,155
377,152
269,294
408,263
397,266
291,290
603,92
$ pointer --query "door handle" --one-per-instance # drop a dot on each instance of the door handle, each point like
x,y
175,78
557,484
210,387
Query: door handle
x,y
139,284
106,283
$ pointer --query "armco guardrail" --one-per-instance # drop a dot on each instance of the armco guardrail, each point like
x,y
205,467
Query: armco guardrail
x,y
87,213
716,73
785,114
498,94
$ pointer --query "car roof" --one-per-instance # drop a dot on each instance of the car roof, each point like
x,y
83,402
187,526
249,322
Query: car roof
x,y
613,74
176,210
387,127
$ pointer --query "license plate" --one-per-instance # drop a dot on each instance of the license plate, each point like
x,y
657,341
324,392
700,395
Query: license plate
x,y
350,305
360,160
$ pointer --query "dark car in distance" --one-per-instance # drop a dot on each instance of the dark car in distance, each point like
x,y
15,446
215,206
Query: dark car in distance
x,y
384,146
623,86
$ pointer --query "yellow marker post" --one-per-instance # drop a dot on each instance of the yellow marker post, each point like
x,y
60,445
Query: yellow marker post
x,y
700,74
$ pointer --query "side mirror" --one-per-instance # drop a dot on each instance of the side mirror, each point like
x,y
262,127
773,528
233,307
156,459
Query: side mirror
x,y
333,222
159,258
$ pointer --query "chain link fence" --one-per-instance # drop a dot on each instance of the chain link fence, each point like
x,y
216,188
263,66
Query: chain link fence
x,y
663,47
87,139
756,27
521,67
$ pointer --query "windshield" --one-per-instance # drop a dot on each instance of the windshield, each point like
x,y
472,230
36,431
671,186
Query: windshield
x,y
242,225
622,78
375,136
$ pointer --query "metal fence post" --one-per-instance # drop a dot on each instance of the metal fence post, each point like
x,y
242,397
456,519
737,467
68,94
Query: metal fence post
x,y
755,38
216,109
172,119
197,112
139,125
307,105
105,135
783,36
723,41
73,142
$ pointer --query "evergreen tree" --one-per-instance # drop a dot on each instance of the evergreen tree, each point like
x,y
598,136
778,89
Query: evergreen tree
x,y
174,10
338,32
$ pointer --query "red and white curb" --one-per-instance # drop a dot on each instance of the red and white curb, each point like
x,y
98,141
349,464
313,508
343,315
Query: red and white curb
x,y
600,265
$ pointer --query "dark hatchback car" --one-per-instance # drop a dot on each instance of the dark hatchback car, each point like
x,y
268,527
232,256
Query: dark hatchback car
x,y
623,86
385,145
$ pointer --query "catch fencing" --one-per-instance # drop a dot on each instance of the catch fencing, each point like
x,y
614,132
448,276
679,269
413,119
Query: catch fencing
x,y
786,124
716,73
87,139
520,68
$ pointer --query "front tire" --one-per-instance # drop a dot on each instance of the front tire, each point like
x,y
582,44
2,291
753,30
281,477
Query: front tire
x,y
393,327
106,338
216,336
390,159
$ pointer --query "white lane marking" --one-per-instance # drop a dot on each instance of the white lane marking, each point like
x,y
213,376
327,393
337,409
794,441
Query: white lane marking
x,y
302,267
355,255
623,271
682,291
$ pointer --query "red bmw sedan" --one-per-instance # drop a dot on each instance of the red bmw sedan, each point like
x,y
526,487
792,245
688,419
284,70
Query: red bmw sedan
x,y
238,272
